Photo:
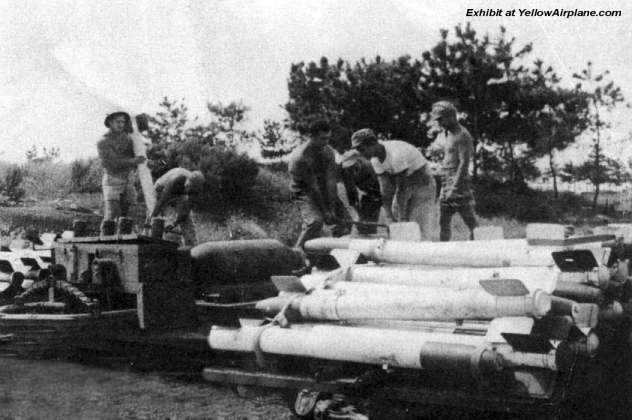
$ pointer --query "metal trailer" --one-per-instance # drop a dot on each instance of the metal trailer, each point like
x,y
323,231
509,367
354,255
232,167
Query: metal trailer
x,y
146,299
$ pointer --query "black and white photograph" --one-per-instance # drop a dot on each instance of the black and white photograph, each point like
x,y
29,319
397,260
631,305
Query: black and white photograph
x,y
292,209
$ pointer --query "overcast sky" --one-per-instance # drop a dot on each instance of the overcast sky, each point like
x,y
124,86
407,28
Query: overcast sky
x,y
65,64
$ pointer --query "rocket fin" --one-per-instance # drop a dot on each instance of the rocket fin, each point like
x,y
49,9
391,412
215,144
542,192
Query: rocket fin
x,y
512,324
504,287
345,257
576,260
290,284
528,343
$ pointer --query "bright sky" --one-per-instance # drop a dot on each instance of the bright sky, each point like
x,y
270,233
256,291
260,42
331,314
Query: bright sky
x,y
65,64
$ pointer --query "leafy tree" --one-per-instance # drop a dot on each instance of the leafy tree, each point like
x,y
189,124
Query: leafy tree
x,y
602,96
557,119
47,154
170,124
11,184
227,119
85,175
179,140
608,171
379,95
498,97
275,141
480,75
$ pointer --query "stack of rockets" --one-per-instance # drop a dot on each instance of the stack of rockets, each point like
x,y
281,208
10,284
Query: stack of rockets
x,y
530,307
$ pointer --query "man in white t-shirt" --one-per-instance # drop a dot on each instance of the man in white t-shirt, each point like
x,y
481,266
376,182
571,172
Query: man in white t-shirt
x,y
406,184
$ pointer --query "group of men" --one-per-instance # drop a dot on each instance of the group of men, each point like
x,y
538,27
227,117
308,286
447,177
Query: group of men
x,y
392,176
174,190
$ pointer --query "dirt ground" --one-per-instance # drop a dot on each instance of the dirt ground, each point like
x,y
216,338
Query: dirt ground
x,y
63,390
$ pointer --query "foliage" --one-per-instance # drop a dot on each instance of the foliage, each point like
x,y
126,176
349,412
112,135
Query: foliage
x,y
11,184
167,129
226,119
178,140
85,175
46,155
229,175
502,101
608,171
276,141
378,95
602,95
497,198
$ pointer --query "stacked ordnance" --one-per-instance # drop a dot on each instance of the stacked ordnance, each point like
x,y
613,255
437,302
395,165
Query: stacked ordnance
x,y
479,308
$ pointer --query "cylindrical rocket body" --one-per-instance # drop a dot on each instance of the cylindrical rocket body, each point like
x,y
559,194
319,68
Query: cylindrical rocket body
x,y
350,300
407,349
493,253
534,278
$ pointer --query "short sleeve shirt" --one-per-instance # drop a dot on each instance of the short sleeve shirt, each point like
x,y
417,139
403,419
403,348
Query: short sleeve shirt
x,y
400,157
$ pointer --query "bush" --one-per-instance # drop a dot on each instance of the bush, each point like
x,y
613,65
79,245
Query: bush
x,y
230,176
11,184
495,198
85,176
45,180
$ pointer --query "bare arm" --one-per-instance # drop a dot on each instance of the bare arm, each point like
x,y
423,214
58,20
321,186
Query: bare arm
x,y
160,200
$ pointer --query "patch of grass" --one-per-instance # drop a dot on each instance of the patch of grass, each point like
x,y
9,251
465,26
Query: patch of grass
x,y
45,219
46,180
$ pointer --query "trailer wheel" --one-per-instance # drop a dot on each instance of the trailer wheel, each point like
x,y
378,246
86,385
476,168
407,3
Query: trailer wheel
x,y
302,403
76,300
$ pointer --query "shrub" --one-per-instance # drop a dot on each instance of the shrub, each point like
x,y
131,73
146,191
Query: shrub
x,y
496,198
230,176
45,179
85,176
11,185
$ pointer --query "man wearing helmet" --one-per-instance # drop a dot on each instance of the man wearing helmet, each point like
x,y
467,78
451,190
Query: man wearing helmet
x,y
116,152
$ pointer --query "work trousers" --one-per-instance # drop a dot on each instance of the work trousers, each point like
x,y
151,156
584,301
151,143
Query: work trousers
x,y
314,220
369,211
448,209
415,201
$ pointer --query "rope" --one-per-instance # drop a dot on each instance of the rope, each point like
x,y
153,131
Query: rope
x,y
278,320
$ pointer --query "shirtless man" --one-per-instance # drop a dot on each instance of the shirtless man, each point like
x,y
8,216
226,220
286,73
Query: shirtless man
x,y
174,191
456,193
116,152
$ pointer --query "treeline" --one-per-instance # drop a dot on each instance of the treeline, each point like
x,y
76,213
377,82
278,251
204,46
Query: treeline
x,y
517,108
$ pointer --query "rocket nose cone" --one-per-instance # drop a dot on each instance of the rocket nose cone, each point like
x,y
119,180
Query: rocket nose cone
x,y
541,303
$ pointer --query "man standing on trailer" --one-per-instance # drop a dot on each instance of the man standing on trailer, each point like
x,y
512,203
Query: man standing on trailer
x,y
456,192
116,151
